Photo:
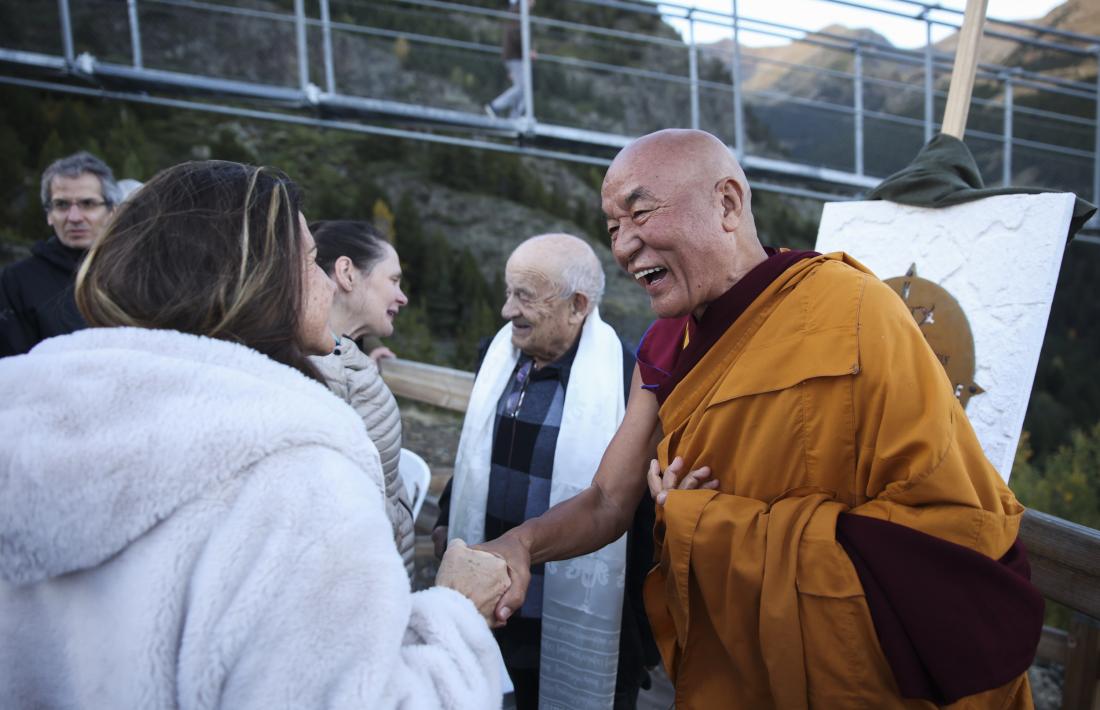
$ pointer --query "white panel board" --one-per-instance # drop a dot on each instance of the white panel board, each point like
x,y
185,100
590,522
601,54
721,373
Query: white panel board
x,y
999,257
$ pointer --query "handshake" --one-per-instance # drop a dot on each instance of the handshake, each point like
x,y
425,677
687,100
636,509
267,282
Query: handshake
x,y
496,574
482,577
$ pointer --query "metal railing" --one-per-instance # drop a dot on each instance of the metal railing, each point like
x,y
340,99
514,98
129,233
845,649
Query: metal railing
x,y
840,127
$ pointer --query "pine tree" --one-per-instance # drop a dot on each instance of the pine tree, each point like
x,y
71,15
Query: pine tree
x,y
411,248
412,337
438,291
482,323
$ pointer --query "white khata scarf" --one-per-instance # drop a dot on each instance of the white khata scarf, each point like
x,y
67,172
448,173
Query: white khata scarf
x,y
582,597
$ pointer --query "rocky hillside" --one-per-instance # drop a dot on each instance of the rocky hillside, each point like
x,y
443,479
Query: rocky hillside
x,y
1081,16
825,136
776,68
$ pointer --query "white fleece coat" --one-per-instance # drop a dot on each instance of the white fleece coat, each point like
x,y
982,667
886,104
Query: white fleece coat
x,y
185,523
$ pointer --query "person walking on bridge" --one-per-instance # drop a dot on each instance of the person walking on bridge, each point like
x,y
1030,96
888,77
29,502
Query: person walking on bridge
x,y
510,103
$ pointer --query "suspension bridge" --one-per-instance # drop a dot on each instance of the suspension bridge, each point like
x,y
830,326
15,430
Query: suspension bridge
x,y
422,69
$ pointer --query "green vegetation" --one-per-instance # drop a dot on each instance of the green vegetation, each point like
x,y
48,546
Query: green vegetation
x,y
1065,484
1057,467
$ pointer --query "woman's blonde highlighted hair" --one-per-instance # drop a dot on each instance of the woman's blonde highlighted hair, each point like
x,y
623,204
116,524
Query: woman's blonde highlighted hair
x,y
210,248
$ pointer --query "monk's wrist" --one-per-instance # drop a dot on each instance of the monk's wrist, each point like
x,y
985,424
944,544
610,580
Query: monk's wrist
x,y
522,537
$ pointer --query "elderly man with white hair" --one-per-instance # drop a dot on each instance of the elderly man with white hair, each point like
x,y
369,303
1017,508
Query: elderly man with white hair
x,y
549,395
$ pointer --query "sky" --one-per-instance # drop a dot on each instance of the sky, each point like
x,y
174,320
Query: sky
x,y
817,14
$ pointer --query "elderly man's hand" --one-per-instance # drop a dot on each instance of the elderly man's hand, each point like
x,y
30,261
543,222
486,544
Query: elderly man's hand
x,y
518,557
479,576
381,353
661,483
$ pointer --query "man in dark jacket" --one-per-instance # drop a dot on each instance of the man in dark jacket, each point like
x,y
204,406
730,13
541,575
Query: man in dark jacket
x,y
510,103
36,294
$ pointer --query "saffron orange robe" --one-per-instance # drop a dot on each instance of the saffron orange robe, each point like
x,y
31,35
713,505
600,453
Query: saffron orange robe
x,y
822,397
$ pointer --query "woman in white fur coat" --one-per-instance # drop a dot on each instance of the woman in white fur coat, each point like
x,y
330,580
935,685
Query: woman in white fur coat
x,y
188,518
367,274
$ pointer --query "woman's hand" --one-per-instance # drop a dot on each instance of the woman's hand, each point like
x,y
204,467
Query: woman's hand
x,y
661,483
481,577
380,353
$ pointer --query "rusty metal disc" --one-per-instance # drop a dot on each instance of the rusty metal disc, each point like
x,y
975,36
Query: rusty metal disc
x,y
945,327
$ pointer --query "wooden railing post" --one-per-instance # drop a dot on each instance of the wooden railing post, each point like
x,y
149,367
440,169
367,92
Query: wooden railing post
x,y
1079,690
1063,557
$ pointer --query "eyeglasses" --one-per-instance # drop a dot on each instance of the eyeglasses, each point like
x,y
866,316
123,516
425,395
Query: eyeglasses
x,y
519,389
85,205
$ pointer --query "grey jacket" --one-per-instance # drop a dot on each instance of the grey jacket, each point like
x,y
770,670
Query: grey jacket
x,y
354,377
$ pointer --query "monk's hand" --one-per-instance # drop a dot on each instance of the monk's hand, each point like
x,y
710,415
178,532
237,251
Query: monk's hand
x,y
672,478
518,558
480,576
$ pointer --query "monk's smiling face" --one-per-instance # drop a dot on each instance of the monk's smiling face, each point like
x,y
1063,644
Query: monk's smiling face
x,y
675,203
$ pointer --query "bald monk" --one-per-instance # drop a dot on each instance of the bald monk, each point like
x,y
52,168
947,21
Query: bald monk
x,y
841,540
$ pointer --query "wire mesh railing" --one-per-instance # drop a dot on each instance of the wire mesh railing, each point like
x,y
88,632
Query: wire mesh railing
x,y
828,105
